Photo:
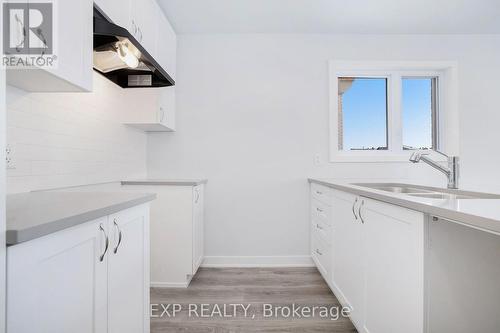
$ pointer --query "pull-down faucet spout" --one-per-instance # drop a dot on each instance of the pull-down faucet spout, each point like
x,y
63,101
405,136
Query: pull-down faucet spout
x,y
451,171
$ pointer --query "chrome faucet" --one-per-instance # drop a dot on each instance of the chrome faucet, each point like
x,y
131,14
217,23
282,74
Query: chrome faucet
x,y
451,171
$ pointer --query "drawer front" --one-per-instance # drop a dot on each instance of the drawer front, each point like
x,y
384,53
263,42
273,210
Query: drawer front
x,y
321,212
320,252
321,193
322,231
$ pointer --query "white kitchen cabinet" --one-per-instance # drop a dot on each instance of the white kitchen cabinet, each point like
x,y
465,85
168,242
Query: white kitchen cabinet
x,y
73,281
376,256
153,109
177,232
73,46
118,11
348,266
144,16
393,242
166,45
58,283
128,275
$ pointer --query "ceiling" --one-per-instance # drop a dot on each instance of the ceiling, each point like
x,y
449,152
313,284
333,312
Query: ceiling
x,y
334,16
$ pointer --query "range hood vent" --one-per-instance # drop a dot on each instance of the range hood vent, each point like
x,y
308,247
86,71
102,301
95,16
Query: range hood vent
x,y
122,59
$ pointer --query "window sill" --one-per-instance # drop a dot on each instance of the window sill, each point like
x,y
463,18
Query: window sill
x,y
380,157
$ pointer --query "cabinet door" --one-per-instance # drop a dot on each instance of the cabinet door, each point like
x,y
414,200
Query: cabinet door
x,y
57,283
118,11
394,252
74,42
167,107
348,252
198,232
166,44
128,276
144,12
73,47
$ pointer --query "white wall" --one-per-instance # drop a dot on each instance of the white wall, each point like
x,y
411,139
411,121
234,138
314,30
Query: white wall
x,y
252,110
69,139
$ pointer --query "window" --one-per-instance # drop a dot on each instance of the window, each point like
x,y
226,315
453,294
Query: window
x,y
419,113
362,113
383,111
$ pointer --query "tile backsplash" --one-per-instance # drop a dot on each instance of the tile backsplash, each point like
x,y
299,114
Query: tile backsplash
x,y
69,139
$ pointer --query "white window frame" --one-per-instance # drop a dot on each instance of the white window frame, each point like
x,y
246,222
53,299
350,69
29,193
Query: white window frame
x,y
394,72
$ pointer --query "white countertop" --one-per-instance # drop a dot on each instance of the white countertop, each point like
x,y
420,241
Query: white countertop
x,y
483,214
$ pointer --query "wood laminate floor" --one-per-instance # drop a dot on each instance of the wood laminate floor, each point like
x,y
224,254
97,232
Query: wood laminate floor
x,y
261,291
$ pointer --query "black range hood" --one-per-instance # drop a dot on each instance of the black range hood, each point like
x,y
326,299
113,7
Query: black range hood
x,y
122,59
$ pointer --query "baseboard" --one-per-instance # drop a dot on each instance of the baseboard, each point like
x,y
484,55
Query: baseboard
x,y
169,285
262,261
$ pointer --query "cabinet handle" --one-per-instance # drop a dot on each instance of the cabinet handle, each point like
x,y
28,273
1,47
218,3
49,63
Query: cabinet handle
x,y
359,212
119,236
318,252
140,31
319,227
101,258
162,114
197,195
319,192
319,209
353,206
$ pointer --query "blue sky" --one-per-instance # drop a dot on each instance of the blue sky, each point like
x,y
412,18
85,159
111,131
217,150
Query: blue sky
x,y
365,114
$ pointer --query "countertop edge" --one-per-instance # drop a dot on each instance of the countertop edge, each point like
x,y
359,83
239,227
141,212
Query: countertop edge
x,y
474,221
14,237
165,182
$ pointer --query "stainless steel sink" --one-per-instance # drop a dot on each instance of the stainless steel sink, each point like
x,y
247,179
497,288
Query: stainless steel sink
x,y
398,189
419,191
442,196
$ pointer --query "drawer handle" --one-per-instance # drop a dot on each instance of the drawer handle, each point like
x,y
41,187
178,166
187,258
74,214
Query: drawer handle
x,y
359,212
319,209
319,192
101,258
319,227
318,252
119,236
353,206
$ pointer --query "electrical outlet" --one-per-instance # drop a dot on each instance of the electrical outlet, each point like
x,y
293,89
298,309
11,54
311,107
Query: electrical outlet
x,y
9,158
317,159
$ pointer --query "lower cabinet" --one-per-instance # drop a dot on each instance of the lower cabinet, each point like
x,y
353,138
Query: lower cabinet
x,y
393,239
177,232
348,266
83,279
377,262
128,272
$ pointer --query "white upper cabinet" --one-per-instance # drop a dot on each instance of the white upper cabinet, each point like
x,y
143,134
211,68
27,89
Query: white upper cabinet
x,y
166,43
144,15
153,109
73,45
118,11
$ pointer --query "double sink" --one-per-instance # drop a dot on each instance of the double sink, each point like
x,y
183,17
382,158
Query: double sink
x,y
418,191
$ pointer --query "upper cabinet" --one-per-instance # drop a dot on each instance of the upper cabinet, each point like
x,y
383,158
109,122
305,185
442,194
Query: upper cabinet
x,y
145,20
166,44
72,46
144,24
118,11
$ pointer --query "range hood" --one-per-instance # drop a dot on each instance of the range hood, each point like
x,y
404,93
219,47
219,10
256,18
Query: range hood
x,y
122,59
